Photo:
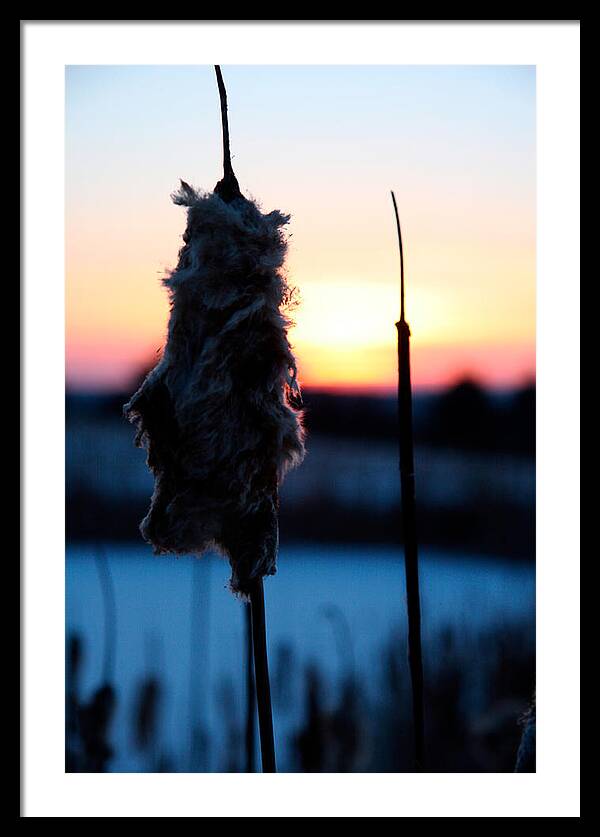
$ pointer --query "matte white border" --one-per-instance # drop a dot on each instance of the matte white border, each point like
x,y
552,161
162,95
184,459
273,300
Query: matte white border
x,y
554,790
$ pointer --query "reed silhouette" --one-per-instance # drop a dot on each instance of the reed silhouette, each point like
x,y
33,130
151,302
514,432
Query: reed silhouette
x,y
409,516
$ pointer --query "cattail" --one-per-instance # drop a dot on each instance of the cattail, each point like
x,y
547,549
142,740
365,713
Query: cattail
x,y
219,414
409,516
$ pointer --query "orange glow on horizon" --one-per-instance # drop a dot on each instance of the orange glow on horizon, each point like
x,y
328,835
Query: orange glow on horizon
x,y
343,334
465,188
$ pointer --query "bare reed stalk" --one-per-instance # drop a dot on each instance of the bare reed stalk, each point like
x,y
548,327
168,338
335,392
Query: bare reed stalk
x,y
409,517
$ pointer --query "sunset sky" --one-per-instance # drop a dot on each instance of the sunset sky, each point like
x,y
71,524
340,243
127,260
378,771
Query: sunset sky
x,y
326,144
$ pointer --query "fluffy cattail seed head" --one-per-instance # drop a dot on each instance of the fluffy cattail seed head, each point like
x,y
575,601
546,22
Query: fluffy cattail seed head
x,y
219,413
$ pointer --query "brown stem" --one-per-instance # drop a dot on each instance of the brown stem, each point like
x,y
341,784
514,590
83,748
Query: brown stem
x,y
401,258
261,677
250,691
227,188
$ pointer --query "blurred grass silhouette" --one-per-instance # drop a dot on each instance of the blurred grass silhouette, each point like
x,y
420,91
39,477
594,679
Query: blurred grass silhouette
x,y
476,692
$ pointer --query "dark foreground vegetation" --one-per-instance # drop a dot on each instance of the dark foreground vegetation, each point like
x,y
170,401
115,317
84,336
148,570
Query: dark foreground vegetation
x,y
477,692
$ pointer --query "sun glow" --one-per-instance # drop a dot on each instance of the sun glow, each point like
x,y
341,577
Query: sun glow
x,y
465,187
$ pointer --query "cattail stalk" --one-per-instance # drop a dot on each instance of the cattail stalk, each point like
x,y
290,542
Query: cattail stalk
x,y
261,674
219,414
250,691
228,189
409,516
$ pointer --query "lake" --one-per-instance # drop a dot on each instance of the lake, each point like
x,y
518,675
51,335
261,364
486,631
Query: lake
x,y
334,606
